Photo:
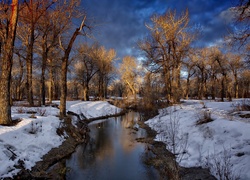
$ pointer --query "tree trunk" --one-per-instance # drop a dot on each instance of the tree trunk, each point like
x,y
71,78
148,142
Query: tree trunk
x,y
63,86
187,88
86,92
222,89
29,62
178,83
42,81
50,82
63,81
7,61
236,86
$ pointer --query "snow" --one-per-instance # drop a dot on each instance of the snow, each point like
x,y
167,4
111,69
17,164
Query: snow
x,y
93,109
225,139
33,137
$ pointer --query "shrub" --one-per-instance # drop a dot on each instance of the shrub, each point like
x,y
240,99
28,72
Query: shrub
x,y
41,111
221,166
21,110
176,140
35,127
204,116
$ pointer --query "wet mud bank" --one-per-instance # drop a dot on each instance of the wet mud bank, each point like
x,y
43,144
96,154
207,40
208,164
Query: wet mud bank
x,y
164,161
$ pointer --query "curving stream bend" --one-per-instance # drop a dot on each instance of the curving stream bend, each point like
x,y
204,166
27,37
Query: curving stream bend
x,y
112,152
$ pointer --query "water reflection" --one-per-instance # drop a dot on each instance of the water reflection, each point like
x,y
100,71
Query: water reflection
x,y
112,152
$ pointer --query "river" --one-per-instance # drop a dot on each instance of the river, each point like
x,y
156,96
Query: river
x,y
112,152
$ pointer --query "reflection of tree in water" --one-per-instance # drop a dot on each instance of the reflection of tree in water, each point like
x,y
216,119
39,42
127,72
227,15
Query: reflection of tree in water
x,y
147,158
99,146
128,120
129,134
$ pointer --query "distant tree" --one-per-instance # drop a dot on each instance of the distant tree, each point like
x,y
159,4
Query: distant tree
x,y
244,84
116,88
86,66
105,59
128,73
189,65
8,23
200,60
222,63
235,64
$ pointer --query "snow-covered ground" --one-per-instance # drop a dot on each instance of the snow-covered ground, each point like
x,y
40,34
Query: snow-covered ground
x,y
33,137
93,109
221,145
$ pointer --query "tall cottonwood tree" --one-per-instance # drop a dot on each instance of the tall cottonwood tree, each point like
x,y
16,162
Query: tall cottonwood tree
x,y
166,48
8,22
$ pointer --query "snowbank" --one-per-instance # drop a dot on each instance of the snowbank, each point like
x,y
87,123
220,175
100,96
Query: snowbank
x,y
225,140
93,109
28,141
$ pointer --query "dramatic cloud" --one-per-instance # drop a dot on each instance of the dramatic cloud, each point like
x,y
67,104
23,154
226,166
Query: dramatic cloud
x,y
119,24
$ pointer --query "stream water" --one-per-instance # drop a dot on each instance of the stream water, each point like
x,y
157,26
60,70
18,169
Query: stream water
x,y
112,152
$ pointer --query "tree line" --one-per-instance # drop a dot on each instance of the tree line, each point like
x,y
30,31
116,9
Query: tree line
x,y
39,62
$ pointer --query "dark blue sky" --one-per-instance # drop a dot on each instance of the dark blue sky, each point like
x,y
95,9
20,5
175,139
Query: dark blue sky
x,y
119,24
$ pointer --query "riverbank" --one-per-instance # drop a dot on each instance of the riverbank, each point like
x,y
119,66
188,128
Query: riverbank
x,y
52,165
209,134
37,140
164,161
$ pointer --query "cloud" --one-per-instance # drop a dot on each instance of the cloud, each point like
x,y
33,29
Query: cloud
x,y
120,23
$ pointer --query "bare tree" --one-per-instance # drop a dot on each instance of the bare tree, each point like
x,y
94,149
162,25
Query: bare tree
x,y
30,15
241,37
235,64
64,67
167,47
86,66
128,72
105,59
51,26
189,65
8,22
17,74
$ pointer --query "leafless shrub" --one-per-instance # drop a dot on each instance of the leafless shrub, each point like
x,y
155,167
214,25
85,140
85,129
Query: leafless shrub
x,y
221,166
21,110
41,111
33,116
203,116
176,140
35,127
203,104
